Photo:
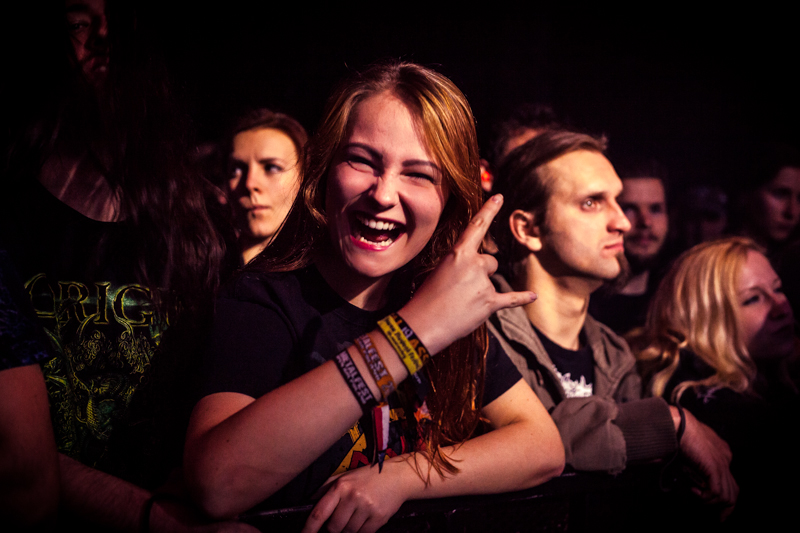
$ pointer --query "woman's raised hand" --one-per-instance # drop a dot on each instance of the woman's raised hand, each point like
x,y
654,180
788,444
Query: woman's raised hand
x,y
458,295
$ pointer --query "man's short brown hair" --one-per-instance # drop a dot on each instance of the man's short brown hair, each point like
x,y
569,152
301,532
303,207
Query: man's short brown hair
x,y
524,186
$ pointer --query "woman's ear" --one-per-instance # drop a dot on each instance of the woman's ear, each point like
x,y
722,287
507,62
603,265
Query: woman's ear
x,y
525,230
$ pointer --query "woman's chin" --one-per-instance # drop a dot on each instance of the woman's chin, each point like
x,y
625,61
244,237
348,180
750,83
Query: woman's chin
x,y
372,268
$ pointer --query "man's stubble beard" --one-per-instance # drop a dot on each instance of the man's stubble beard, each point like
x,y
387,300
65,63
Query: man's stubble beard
x,y
639,264
621,279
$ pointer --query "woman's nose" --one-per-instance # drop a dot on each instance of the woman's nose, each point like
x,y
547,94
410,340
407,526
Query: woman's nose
x,y
780,305
98,39
255,177
385,192
792,211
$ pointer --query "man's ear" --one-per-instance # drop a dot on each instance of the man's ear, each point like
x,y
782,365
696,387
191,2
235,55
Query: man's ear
x,y
525,230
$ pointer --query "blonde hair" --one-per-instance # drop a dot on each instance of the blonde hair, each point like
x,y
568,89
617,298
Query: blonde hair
x,y
695,308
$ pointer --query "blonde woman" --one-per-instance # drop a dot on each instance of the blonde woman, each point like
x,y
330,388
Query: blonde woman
x,y
718,340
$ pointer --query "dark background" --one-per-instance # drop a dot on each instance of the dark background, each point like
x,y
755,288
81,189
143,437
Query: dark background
x,y
690,89
694,88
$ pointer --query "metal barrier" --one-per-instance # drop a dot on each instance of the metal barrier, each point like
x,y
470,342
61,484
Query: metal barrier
x,y
575,502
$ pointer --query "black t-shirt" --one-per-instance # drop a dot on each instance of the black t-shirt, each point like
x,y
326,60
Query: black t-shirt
x,y
621,312
102,324
743,420
575,368
22,341
624,313
271,328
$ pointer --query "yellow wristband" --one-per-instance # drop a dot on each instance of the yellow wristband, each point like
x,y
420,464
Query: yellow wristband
x,y
411,351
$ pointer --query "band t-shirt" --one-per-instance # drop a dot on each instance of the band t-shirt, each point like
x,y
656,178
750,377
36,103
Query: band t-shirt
x,y
101,324
271,328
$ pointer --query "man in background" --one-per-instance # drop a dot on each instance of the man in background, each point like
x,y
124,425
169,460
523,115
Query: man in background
x,y
622,306
560,234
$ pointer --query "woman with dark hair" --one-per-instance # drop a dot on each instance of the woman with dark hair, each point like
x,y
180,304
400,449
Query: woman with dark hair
x,y
769,200
719,340
302,387
265,163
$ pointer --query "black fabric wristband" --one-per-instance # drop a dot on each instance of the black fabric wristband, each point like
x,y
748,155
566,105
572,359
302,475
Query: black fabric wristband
x,y
668,470
354,380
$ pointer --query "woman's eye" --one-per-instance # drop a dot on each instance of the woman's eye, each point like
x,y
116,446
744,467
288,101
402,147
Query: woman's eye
x,y
781,194
271,168
752,300
422,176
359,163
76,24
236,173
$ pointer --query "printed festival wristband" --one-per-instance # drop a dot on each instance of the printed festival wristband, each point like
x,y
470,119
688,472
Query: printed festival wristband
x,y
354,380
376,366
405,342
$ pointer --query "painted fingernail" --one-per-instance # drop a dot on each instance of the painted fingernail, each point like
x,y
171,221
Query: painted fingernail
x,y
497,198
534,296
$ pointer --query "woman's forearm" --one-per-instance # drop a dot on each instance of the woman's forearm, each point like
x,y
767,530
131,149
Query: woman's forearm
x,y
523,450
240,451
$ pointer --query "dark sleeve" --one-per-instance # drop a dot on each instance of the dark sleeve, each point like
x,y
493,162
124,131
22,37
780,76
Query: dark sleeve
x,y
249,350
501,374
601,434
741,421
646,424
610,430
22,340
648,429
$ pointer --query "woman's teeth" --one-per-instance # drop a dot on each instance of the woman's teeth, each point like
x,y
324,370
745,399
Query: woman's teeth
x,y
377,232
379,225
385,243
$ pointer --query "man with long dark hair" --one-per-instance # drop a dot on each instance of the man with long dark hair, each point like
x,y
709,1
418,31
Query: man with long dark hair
x,y
110,230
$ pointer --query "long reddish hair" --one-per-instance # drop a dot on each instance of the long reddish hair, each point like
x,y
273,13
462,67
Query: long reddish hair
x,y
448,128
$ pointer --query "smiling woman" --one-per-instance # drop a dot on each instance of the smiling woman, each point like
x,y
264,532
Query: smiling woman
x,y
302,388
384,195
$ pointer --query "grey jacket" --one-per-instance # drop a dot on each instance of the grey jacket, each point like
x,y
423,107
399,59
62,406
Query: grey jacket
x,y
608,430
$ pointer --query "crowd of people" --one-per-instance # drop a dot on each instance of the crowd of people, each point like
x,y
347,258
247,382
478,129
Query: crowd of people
x,y
372,313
